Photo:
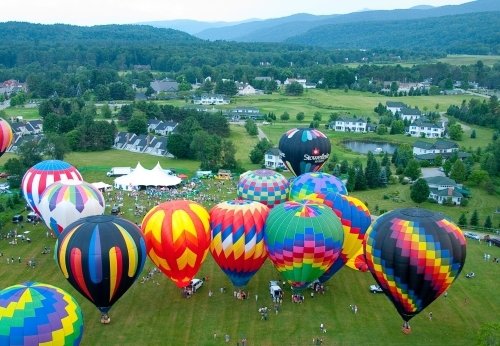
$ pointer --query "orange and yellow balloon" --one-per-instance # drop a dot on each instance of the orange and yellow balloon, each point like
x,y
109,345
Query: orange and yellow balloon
x,y
6,136
177,235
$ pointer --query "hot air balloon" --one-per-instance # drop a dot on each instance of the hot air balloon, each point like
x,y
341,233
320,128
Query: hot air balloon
x,y
303,240
315,186
177,235
355,218
101,257
6,136
67,201
43,174
33,313
414,255
263,185
238,238
304,150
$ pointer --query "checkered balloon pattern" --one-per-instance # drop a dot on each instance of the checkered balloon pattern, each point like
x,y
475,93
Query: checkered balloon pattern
x,y
315,186
263,185
33,313
303,239
415,255
238,238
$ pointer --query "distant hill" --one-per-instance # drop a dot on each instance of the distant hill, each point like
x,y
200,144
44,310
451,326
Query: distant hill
x,y
21,32
466,33
191,26
281,29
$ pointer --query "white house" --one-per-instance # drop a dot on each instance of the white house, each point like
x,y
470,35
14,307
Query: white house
x,y
211,99
420,128
443,189
246,89
272,159
394,107
441,146
349,125
410,114
301,81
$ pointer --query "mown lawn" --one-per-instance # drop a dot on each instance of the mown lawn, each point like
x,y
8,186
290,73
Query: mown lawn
x,y
462,59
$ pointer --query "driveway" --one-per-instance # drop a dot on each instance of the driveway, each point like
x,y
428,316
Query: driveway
x,y
432,172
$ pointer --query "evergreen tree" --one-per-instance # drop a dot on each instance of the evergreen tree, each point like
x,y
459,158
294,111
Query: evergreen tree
x,y
463,220
473,134
351,180
344,167
419,191
372,172
488,223
385,160
360,179
458,171
474,219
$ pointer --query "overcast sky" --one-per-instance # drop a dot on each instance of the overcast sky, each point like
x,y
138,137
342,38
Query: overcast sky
x,y
92,12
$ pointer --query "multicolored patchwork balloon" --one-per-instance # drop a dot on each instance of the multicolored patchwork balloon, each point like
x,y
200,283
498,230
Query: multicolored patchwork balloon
x,y
315,186
303,240
263,185
6,136
101,257
65,202
415,255
43,174
177,235
33,313
238,238
355,218
304,150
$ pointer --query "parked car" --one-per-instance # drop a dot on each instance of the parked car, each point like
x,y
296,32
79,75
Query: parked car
x,y
196,284
472,235
32,217
376,289
115,210
275,289
495,241
470,275
17,218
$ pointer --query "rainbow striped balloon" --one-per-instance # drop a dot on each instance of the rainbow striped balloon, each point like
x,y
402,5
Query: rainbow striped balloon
x,y
6,136
177,235
303,239
263,185
101,257
43,174
355,218
315,186
67,201
415,255
33,313
238,238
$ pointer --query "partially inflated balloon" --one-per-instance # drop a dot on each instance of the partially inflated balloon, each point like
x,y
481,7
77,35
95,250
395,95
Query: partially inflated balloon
x,y
264,186
303,240
238,238
33,313
101,257
304,150
6,136
43,174
177,235
315,186
414,255
67,201
355,218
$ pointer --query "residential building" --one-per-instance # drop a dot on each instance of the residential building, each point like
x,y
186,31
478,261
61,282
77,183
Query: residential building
x,y
245,89
344,124
211,99
394,107
272,159
410,114
161,127
242,113
441,146
165,85
443,189
11,86
420,128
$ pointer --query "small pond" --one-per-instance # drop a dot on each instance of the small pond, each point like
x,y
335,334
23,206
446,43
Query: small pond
x,y
363,147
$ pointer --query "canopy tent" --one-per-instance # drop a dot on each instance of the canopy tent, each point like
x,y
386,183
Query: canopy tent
x,y
146,177
102,186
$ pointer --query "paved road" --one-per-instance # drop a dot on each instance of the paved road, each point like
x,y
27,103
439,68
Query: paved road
x,y
4,104
432,172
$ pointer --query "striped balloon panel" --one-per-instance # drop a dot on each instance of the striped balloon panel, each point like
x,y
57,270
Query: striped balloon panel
x,y
237,244
415,255
101,256
6,136
34,313
43,174
177,235
303,240
315,186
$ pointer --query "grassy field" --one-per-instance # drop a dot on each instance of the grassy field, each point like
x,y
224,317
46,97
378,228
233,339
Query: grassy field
x,y
488,60
155,313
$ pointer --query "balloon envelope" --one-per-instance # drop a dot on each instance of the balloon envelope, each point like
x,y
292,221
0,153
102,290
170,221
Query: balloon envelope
x,y
263,185
355,218
101,257
415,255
238,238
303,240
177,235
67,201
33,313
315,186
304,150
43,174
6,136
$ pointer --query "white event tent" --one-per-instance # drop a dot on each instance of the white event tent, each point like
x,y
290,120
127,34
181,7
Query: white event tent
x,y
146,177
